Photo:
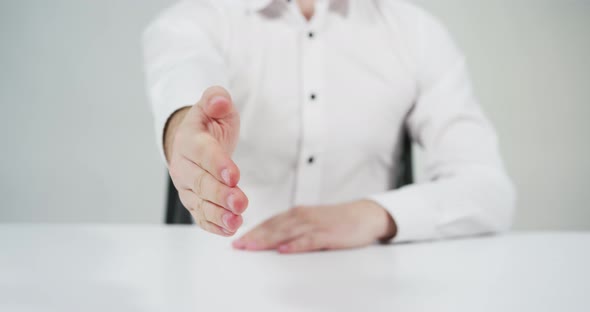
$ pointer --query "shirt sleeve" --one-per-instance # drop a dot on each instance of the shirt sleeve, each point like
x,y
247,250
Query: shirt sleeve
x,y
183,56
466,191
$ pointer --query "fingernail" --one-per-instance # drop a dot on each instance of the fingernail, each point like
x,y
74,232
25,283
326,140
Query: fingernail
x,y
283,248
215,99
225,176
251,246
239,244
230,202
226,231
225,218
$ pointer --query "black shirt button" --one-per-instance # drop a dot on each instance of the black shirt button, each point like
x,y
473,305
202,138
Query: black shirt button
x,y
310,34
312,96
310,160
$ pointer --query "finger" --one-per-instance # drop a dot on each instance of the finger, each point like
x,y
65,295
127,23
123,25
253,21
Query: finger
x,y
216,103
187,175
211,212
213,228
182,171
208,188
220,216
206,152
305,243
192,203
252,240
285,232
272,233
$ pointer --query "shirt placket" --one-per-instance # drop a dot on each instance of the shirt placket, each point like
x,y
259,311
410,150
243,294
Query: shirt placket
x,y
308,183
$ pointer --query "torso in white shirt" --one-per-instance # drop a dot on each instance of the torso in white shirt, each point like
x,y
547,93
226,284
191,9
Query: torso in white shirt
x,y
323,103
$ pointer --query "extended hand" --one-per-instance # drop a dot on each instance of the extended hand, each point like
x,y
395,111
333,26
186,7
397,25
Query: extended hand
x,y
199,142
312,228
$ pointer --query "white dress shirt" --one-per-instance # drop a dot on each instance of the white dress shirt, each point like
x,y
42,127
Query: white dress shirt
x,y
323,104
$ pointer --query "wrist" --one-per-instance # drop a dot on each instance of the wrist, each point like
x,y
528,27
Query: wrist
x,y
172,125
384,224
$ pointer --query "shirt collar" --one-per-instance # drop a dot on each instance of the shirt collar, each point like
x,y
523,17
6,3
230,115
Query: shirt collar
x,y
257,5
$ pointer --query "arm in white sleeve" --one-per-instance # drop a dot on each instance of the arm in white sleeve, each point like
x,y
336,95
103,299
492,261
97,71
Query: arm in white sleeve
x,y
183,56
467,191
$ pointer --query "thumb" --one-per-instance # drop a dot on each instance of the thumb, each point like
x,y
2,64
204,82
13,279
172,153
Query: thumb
x,y
216,103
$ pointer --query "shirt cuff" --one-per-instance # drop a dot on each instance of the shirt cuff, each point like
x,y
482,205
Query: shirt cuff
x,y
413,214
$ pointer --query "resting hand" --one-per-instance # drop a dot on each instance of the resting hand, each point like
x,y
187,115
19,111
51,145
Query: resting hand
x,y
312,228
199,142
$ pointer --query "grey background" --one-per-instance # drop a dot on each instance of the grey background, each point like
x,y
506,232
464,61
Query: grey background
x,y
76,135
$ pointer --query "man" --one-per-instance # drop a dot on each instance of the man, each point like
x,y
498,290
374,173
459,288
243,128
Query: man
x,y
304,103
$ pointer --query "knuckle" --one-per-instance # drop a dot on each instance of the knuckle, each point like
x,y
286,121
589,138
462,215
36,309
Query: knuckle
x,y
201,223
295,211
199,206
187,203
205,209
219,191
196,211
299,212
290,232
198,184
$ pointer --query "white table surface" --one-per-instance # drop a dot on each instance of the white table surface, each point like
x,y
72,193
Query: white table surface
x,y
159,268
